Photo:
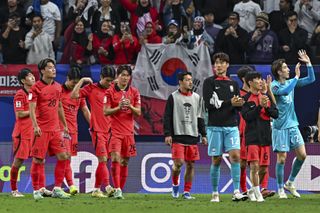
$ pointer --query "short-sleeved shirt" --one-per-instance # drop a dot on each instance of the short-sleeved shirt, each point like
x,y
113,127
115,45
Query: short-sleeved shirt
x,y
47,98
70,108
95,94
23,126
122,122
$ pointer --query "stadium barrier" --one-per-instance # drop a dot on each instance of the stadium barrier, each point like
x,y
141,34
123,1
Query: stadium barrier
x,y
150,170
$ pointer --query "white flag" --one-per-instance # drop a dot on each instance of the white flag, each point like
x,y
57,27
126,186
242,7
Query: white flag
x,y
155,73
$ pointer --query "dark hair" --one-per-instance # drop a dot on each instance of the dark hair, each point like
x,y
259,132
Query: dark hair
x,y
242,71
121,68
291,13
74,73
23,74
234,14
182,74
252,75
108,71
43,63
276,66
36,15
222,56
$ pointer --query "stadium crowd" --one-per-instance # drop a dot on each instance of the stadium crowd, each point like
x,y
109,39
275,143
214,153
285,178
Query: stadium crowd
x,y
112,31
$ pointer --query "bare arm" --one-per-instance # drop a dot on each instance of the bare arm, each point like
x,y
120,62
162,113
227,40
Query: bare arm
x,y
62,117
107,110
32,109
135,110
86,113
22,114
75,92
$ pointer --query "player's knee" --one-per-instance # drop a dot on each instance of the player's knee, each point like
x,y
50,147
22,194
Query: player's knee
x,y
178,164
62,156
189,165
216,160
38,160
124,161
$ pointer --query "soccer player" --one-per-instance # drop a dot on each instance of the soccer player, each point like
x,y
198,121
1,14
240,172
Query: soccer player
x,y
99,124
285,132
242,125
122,103
22,132
183,121
257,111
71,107
45,112
221,97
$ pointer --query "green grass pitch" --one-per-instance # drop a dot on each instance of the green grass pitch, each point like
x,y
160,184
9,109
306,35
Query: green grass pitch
x,y
156,203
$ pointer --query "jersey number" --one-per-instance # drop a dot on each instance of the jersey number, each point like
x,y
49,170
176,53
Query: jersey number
x,y
52,103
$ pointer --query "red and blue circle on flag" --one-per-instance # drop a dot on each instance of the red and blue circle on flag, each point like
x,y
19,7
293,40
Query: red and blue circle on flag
x,y
170,70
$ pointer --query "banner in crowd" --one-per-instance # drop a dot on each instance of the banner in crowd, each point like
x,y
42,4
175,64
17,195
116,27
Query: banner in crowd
x,y
9,83
150,170
155,73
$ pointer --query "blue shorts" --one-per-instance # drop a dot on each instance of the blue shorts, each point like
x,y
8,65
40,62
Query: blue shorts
x,y
284,140
222,139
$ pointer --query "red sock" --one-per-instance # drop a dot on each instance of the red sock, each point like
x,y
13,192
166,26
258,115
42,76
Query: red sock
x,y
187,186
115,168
243,179
68,174
42,176
123,175
35,171
97,184
59,172
175,180
264,182
14,177
104,174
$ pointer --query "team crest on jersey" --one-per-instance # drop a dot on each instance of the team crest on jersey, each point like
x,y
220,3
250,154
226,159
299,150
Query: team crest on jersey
x,y
18,104
231,88
105,99
30,96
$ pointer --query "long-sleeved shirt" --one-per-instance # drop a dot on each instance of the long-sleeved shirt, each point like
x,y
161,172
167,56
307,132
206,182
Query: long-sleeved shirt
x,y
217,96
284,94
184,117
39,47
258,128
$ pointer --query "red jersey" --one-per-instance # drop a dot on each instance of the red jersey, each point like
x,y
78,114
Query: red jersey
x,y
95,94
23,126
70,108
122,122
242,123
47,98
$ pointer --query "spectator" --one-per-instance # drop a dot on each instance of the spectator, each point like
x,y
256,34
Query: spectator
x,y
38,42
315,43
105,12
100,44
209,25
292,39
13,41
116,5
150,35
277,18
174,10
198,35
76,42
270,5
308,14
11,7
82,9
233,40
248,11
125,45
52,20
141,13
173,33
221,9
263,43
